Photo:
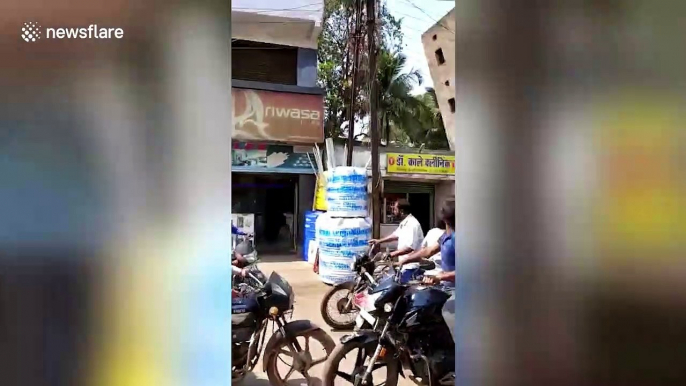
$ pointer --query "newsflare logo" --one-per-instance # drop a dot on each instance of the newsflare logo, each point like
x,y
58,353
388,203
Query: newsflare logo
x,y
32,32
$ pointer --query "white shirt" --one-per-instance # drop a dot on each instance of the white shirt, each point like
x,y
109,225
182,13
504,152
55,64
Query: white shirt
x,y
432,239
410,233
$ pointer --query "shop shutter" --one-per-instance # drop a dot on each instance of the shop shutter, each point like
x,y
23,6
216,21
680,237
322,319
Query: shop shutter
x,y
258,62
407,187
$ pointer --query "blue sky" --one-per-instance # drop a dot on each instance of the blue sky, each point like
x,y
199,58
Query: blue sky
x,y
414,23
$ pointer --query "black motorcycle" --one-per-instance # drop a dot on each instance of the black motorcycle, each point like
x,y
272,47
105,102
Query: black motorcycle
x,y
410,336
338,308
256,303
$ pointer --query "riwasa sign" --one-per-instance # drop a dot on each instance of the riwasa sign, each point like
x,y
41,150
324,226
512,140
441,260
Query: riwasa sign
x,y
260,115
420,164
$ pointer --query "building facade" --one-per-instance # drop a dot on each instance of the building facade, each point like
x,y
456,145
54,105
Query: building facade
x,y
439,48
426,180
277,118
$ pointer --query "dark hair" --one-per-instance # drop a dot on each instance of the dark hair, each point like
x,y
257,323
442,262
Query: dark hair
x,y
404,206
448,214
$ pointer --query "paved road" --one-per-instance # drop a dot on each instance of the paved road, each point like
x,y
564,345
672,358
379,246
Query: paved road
x,y
308,294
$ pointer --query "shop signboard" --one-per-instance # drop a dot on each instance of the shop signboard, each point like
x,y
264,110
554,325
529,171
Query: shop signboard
x,y
420,163
260,115
260,157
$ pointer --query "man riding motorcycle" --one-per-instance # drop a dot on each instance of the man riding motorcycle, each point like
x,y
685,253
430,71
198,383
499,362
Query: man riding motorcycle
x,y
238,259
409,233
446,247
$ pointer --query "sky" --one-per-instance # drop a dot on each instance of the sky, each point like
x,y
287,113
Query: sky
x,y
416,20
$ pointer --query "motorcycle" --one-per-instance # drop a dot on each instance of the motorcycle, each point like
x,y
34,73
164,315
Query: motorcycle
x,y
410,335
340,298
341,305
255,304
364,300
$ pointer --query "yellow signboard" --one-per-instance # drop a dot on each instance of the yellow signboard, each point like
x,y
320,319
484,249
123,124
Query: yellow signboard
x,y
420,163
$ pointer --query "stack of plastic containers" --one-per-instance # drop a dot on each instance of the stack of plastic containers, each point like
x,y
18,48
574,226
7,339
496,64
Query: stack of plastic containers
x,y
310,235
344,230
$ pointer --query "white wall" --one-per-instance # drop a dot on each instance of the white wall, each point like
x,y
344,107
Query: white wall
x,y
445,40
295,23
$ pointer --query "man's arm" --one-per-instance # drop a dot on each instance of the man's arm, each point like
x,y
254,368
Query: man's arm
x,y
401,252
423,253
236,231
446,276
391,237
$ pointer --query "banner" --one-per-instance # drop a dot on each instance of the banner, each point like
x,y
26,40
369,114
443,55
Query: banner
x,y
277,116
420,164
270,158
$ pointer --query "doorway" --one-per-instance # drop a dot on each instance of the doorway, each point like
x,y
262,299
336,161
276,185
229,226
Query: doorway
x,y
422,209
272,199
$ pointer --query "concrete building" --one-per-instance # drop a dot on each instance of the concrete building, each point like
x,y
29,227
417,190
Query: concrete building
x,y
277,117
426,187
439,48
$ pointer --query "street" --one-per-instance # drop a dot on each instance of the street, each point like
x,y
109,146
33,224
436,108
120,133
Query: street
x,y
309,291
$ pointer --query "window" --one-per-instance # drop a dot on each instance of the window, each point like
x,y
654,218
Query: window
x,y
451,102
439,56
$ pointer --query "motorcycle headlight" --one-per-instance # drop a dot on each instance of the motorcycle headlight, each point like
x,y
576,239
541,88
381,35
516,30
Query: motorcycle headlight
x,y
388,307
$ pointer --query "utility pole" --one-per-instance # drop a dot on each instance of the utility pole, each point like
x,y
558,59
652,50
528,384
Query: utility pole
x,y
374,120
353,86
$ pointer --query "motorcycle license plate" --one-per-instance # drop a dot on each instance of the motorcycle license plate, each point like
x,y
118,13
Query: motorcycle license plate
x,y
365,302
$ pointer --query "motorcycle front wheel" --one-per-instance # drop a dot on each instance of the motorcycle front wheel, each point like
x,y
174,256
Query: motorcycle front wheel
x,y
351,359
298,362
333,307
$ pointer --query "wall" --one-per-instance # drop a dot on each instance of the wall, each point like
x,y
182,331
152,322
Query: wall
x,y
297,24
443,75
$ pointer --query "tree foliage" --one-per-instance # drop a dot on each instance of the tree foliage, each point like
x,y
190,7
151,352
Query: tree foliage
x,y
404,119
336,49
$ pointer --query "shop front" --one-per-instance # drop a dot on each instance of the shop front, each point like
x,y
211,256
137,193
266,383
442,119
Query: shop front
x,y
272,179
425,180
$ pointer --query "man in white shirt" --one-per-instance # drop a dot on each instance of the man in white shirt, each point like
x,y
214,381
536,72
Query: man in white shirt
x,y
409,233
432,238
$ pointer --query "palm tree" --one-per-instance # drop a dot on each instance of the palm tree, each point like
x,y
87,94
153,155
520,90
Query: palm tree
x,y
432,129
397,107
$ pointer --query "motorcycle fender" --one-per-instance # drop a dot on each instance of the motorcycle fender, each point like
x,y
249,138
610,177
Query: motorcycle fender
x,y
349,285
293,329
367,337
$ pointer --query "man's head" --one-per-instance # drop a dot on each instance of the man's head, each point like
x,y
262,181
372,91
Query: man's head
x,y
448,214
401,208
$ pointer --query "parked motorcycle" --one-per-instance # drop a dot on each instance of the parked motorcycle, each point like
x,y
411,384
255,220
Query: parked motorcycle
x,y
256,303
410,335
